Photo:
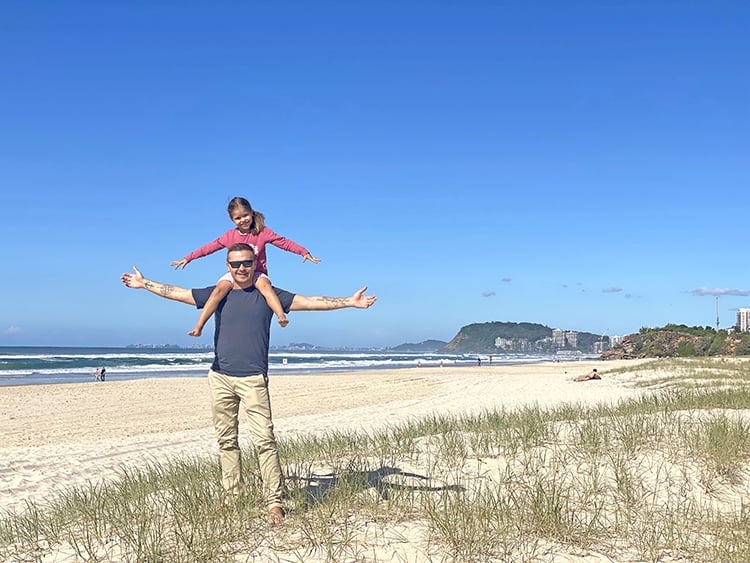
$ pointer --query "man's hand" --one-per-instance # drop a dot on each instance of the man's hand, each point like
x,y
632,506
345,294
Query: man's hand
x,y
136,280
320,303
361,301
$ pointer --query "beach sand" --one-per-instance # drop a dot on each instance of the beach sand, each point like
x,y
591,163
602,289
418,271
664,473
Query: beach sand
x,y
55,436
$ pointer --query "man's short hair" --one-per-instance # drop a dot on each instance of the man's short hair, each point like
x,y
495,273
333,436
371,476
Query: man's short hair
x,y
239,247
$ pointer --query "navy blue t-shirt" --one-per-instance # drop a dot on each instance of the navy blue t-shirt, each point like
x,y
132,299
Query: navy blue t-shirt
x,y
243,326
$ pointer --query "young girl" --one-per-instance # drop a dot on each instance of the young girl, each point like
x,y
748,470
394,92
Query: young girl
x,y
251,230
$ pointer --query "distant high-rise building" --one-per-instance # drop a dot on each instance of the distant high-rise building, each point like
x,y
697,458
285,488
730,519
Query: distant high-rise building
x,y
564,338
743,320
558,337
572,338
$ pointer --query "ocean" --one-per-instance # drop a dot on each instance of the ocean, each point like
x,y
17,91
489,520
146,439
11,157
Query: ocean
x,y
28,365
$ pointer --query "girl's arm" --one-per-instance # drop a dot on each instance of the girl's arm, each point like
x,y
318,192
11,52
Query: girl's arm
x,y
289,245
204,250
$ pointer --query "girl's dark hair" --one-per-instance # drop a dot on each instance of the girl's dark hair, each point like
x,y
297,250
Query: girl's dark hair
x,y
259,221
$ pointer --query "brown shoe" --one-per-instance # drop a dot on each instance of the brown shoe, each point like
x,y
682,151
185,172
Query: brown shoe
x,y
275,515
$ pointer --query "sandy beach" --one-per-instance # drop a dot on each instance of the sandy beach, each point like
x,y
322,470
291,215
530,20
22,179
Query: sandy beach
x,y
54,436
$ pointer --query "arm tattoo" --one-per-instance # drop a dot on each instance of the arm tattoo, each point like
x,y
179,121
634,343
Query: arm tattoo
x,y
161,289
334,302
166,290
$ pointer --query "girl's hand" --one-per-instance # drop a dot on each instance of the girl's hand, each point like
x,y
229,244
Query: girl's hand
x,y
311,258
179,264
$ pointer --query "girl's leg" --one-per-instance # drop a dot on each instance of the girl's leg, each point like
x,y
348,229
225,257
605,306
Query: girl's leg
x,y
219,293
264,286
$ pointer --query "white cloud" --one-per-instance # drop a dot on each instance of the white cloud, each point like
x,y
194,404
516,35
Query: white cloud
x,y
720,291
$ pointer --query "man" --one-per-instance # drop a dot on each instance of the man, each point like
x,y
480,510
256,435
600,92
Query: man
x,y
240,368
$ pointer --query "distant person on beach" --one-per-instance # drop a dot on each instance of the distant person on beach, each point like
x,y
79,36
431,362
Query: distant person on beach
x,y
102,374
251,229
239,373
593,374
96,375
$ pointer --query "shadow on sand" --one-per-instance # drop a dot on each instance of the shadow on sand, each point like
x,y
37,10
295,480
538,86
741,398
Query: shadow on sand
x,y
319,486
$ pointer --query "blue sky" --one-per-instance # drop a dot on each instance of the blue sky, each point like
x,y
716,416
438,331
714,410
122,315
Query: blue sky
x,y
582,165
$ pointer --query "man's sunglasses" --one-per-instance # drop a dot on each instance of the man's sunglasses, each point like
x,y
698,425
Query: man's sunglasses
x,y
237,263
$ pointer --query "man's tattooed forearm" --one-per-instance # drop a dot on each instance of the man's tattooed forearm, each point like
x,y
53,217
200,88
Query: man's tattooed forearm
x,y
162,289
165,290
334,301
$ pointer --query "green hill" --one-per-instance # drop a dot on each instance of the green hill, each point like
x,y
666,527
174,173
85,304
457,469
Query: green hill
x,y
507,337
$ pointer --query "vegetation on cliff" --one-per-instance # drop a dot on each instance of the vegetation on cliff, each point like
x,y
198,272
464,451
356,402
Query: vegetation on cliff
x,y
680,341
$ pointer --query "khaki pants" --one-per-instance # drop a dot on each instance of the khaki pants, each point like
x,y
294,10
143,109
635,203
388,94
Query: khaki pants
x,y
226,393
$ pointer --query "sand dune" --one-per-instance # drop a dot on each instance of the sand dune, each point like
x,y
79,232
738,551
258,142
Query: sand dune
x,y
54,436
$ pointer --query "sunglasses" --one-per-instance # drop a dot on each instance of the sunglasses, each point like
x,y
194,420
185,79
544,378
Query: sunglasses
x,y
237,263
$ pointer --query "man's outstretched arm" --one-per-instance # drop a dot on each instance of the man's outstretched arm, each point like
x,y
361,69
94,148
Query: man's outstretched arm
x,y
319,303
137,281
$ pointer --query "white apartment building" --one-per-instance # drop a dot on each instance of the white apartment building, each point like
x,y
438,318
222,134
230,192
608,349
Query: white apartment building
x,y
572,338
562,338
743,320
615,340
558,337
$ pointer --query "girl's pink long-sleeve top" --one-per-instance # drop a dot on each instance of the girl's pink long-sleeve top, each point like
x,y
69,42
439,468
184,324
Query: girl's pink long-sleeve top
x,y
258,242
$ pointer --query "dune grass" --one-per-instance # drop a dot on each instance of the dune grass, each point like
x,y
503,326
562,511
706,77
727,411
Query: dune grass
x,y
660,478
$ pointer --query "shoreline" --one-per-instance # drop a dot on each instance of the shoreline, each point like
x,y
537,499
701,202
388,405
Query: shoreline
x,y
61,435
41,366
273,371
